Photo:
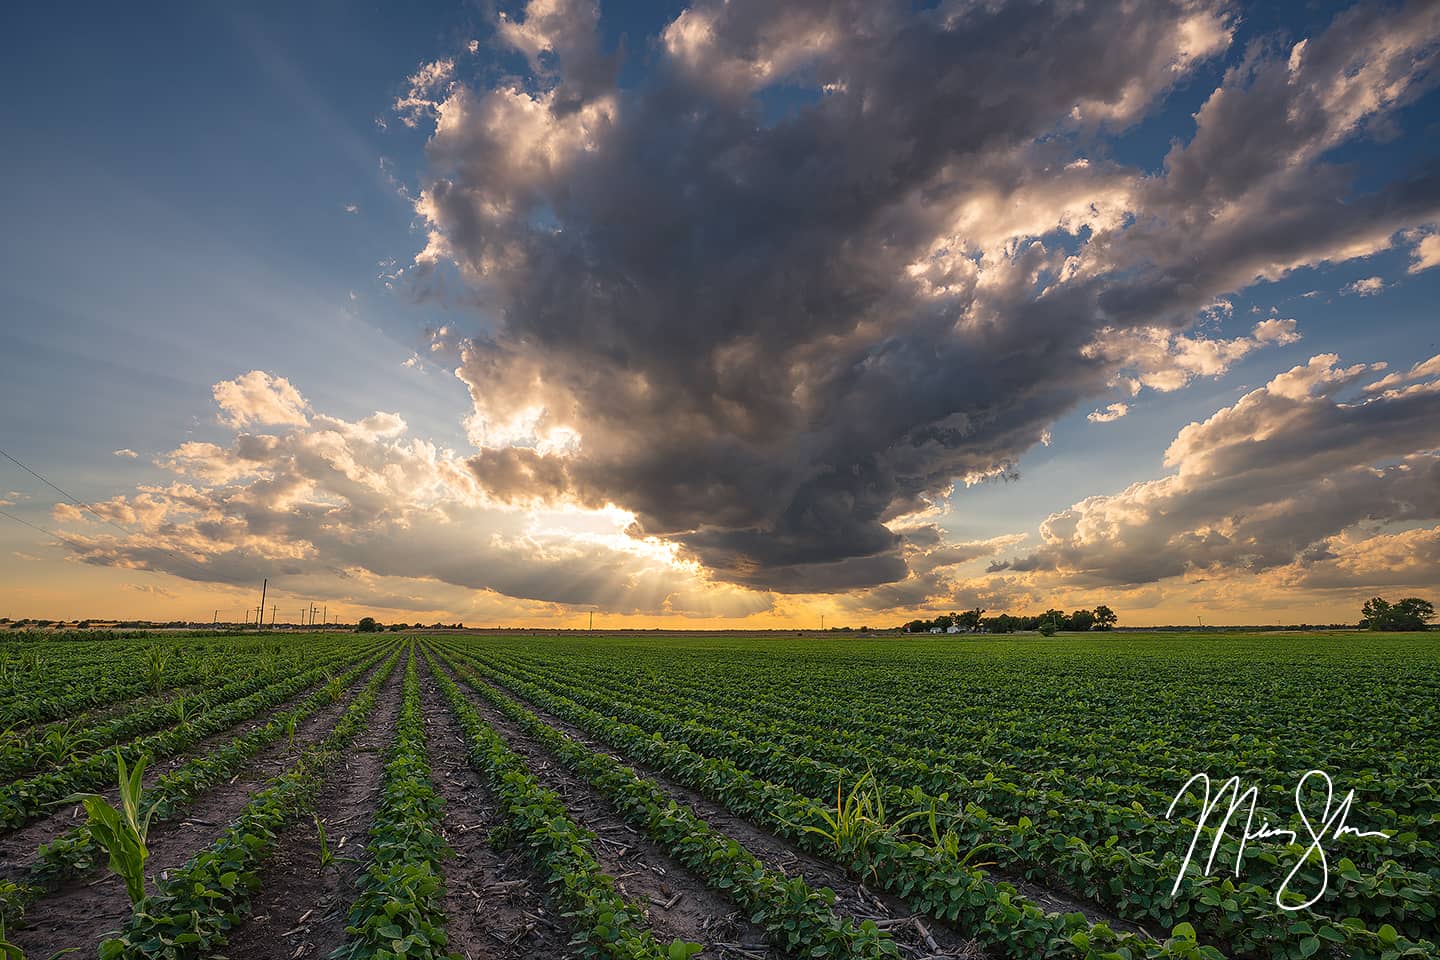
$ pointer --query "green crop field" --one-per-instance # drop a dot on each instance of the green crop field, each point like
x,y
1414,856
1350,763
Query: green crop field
x,y
649,796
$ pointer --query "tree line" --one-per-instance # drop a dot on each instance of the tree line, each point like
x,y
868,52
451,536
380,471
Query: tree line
x,y
975,621
1412,613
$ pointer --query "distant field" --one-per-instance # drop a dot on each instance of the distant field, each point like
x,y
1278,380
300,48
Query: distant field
x,y
623,796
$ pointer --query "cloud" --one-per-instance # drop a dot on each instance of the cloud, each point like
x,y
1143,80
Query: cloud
x,y
362,509
1166,361
1290,480
127,453
1426,253
258,398
421,91
1366,287
1420,371
766,336
1109,414
151,590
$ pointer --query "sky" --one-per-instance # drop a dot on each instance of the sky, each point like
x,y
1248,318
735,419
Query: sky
x,y
720,314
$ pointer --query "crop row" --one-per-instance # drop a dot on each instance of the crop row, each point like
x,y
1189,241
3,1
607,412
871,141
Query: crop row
x,y
932,879
796,918
1395,789
75,852
1081,765
72,741
604,923
397,912
1078,841
1086,725
1265,934
39,701
23,800
191,913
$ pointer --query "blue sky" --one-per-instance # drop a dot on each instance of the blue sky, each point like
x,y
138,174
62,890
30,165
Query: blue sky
x,y
208,190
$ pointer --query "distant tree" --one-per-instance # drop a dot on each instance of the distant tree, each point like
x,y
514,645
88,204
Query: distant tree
x,y
970,619
1057,618
943,622
1411,613
367,625
1082,620
1105,618
1047,628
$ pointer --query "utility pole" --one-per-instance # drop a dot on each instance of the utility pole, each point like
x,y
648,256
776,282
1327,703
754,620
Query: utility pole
x,y
325,615
247,616
592,621
216,622
260,620
273,608
822,621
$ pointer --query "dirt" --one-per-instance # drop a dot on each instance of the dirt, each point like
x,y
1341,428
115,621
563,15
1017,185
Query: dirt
x,y
1049,899
679,905
495,906
81,913
18,846
299,910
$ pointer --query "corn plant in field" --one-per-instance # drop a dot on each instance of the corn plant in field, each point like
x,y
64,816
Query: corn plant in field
x,y
328,858
8,950
157,661
122,833
62,743
185,710
948,840
858,818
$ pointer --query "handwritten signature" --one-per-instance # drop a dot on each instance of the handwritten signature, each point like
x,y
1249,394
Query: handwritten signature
x,y
1331,824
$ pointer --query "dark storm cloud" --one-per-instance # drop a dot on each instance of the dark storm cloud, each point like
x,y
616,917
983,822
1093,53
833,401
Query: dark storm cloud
x,y
769,337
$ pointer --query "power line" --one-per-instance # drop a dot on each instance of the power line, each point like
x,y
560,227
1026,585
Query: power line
x,y
67,495
32,526
79,503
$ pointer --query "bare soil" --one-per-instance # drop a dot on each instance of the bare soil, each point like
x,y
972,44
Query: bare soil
x,y
80,914
299,910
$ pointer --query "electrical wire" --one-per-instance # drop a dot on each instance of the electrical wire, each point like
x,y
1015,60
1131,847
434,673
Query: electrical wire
x,y
67,495
32,526
76,501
